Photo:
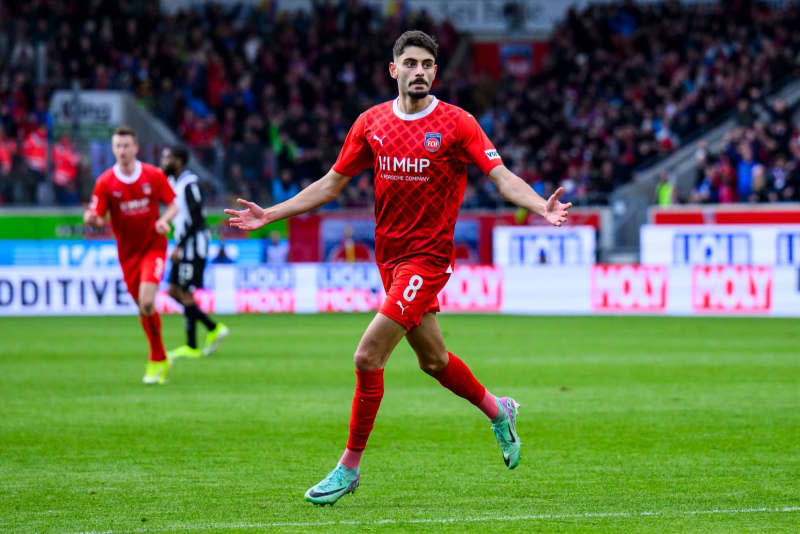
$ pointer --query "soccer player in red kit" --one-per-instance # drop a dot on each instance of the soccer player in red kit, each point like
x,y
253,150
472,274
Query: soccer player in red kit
x,y
419,148
131,192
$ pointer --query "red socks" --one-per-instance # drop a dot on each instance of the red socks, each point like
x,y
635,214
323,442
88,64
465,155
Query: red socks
x,y
457,377
366,401
152,327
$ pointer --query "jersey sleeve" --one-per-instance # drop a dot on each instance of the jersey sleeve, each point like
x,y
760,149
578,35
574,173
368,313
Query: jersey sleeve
x,y
99,202
165,193
476,147
356,154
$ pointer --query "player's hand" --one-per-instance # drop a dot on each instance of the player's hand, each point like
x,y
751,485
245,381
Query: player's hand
x,y
162,227
175,255
92,218
556,212
251,218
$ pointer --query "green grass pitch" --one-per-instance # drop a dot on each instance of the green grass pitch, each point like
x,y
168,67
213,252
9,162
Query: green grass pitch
x,y
629,424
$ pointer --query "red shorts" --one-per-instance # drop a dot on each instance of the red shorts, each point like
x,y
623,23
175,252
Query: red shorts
x,y
411,292
147,268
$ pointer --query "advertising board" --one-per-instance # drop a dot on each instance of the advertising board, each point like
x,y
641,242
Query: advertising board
x,y
543,245
752,290
727,244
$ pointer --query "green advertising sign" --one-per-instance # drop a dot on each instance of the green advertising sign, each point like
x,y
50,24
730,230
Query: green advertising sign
x,y
69,225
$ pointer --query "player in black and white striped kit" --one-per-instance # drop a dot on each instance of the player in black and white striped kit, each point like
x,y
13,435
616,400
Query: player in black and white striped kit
x,y
190,253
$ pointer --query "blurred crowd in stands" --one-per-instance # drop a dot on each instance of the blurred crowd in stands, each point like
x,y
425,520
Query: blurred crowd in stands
x,y
265,98
628,84
760,161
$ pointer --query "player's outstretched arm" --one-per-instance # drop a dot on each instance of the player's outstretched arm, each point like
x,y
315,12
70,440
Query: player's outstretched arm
x,y
324,190
515,190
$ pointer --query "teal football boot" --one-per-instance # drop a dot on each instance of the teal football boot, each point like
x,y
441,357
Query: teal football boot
x,y
339,482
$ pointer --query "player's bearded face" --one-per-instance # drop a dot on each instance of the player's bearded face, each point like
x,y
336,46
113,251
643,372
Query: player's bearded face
x,y
168,163
124,148
414,70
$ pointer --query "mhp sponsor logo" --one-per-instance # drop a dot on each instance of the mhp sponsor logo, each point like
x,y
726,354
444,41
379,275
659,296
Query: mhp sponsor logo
x,y
546,249
712,248
787,245
348,276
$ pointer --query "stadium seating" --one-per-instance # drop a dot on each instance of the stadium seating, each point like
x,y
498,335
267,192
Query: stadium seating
x,y
256,92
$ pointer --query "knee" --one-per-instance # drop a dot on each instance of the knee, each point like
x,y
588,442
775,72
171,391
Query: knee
x,y
147,307
366,358
432,363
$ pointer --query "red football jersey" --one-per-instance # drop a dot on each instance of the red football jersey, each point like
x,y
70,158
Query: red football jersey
x,y
133,203
420,164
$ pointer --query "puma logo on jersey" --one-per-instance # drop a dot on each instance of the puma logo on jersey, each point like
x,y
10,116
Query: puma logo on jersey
x,y
402,308
379,139
393,164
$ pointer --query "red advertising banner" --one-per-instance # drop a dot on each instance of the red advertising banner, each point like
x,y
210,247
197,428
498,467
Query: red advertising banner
x,y
732,288
629,288
203,297
519,59
473,288
349,300
264,300
727,214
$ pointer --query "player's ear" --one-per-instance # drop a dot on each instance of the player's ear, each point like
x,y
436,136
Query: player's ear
x,y
392,70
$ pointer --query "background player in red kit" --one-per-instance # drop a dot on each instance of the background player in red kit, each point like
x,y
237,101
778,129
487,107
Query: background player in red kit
x,y
419,148
131,192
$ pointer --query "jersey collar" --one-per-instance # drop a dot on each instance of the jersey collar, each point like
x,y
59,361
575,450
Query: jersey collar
x,y
128,178
414,116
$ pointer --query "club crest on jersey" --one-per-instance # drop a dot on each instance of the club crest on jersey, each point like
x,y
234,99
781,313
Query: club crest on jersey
x,y
433,141
146,188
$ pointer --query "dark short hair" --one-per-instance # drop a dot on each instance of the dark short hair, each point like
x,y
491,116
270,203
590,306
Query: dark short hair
x,y
125,130
180,152
415,38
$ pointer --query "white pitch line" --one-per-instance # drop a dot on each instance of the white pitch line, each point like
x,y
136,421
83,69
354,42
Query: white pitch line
x,y
457,520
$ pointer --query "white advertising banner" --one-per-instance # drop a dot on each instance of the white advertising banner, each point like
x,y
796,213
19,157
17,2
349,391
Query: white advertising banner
x,y
54,291
543,245
754,290
720,244
90,108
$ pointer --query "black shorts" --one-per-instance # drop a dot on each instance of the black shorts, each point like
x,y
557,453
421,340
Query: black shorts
x,y
188,274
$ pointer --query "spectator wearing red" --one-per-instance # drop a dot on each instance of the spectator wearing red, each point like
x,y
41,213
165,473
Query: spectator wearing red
x,y
34,153
66,164
8,151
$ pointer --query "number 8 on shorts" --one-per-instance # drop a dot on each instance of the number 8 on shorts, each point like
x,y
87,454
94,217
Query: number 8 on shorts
x,y
413,286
